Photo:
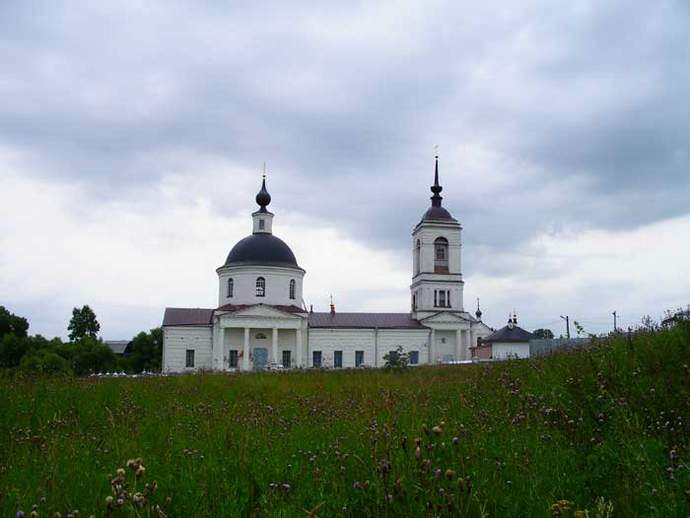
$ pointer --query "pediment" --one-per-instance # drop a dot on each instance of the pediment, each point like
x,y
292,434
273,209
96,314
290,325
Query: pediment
x,y
445,317
261,311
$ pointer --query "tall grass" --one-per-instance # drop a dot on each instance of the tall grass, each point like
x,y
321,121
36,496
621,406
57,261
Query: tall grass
x,y
602,427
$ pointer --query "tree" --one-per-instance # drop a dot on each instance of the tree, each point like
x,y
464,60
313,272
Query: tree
x,y
146,351
83,324
12,324
91,355
397,359
12,349
543,333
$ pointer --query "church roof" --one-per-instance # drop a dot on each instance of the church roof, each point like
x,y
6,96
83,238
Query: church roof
x,y
262,250
364,320
187,317
509,334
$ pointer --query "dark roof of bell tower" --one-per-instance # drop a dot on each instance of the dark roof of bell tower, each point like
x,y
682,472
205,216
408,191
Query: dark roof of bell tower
x,y
436,212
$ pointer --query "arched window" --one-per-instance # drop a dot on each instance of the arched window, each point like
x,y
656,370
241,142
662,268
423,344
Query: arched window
x,y
231,287
441,255
292,289
260,287
417,257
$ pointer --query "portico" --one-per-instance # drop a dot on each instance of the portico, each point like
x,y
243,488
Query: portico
x,y
251,338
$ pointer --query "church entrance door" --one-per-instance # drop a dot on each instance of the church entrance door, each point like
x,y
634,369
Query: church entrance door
x,y
260,358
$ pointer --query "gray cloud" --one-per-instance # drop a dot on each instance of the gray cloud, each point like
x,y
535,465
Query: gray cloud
x,y
549,116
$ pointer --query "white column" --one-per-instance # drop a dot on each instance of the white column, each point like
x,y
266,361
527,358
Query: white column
x,y
458,345
245,353
432,347
298,343
220,349
473,339
215,364
275,345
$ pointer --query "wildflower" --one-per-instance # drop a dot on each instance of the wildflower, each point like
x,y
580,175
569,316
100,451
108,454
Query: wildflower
x,y
437,430
286,486
20,514
579,514
455,440
140,471
120,472
139,499
437,473
418,453
109,500
450,474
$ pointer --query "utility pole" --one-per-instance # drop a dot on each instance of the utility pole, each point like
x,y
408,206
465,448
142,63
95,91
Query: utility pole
x,y
567,325
615,326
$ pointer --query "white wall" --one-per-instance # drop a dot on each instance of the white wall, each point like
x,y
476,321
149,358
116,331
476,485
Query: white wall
x,y
350,340
502,350
176,341
346,340
409,339
445,351
244,279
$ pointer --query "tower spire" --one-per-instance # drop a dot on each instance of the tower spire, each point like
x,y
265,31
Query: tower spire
x,y
478,313
436,188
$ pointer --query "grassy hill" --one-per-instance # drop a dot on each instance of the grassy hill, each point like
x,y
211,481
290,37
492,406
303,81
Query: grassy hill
x,y
573,434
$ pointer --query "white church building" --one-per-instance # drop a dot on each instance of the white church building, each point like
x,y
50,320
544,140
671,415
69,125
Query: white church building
x,y
261,319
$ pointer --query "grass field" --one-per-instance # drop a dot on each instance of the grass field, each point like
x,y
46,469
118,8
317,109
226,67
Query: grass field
x,y
607,427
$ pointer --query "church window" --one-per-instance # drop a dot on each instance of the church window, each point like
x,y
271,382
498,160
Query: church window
x,y
338,359
262,224
232,358
441,255
189,360
260,287
231,287
442,298
316,358
292,289
413,357
359,358
287,361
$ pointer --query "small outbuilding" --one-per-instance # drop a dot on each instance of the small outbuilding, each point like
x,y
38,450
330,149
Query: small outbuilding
x,y
119,347
508,342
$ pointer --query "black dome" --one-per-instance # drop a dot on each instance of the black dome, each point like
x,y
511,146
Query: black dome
x,y
438,213
263,250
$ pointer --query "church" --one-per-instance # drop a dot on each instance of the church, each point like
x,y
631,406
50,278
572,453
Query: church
x,y
261,320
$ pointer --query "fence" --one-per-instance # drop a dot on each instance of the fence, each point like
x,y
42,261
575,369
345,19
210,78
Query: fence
x,y
546,346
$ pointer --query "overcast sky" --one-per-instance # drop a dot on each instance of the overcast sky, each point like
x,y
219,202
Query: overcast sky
x,y
132,140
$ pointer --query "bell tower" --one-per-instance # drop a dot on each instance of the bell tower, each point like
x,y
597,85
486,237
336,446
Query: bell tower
x,y
437,283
